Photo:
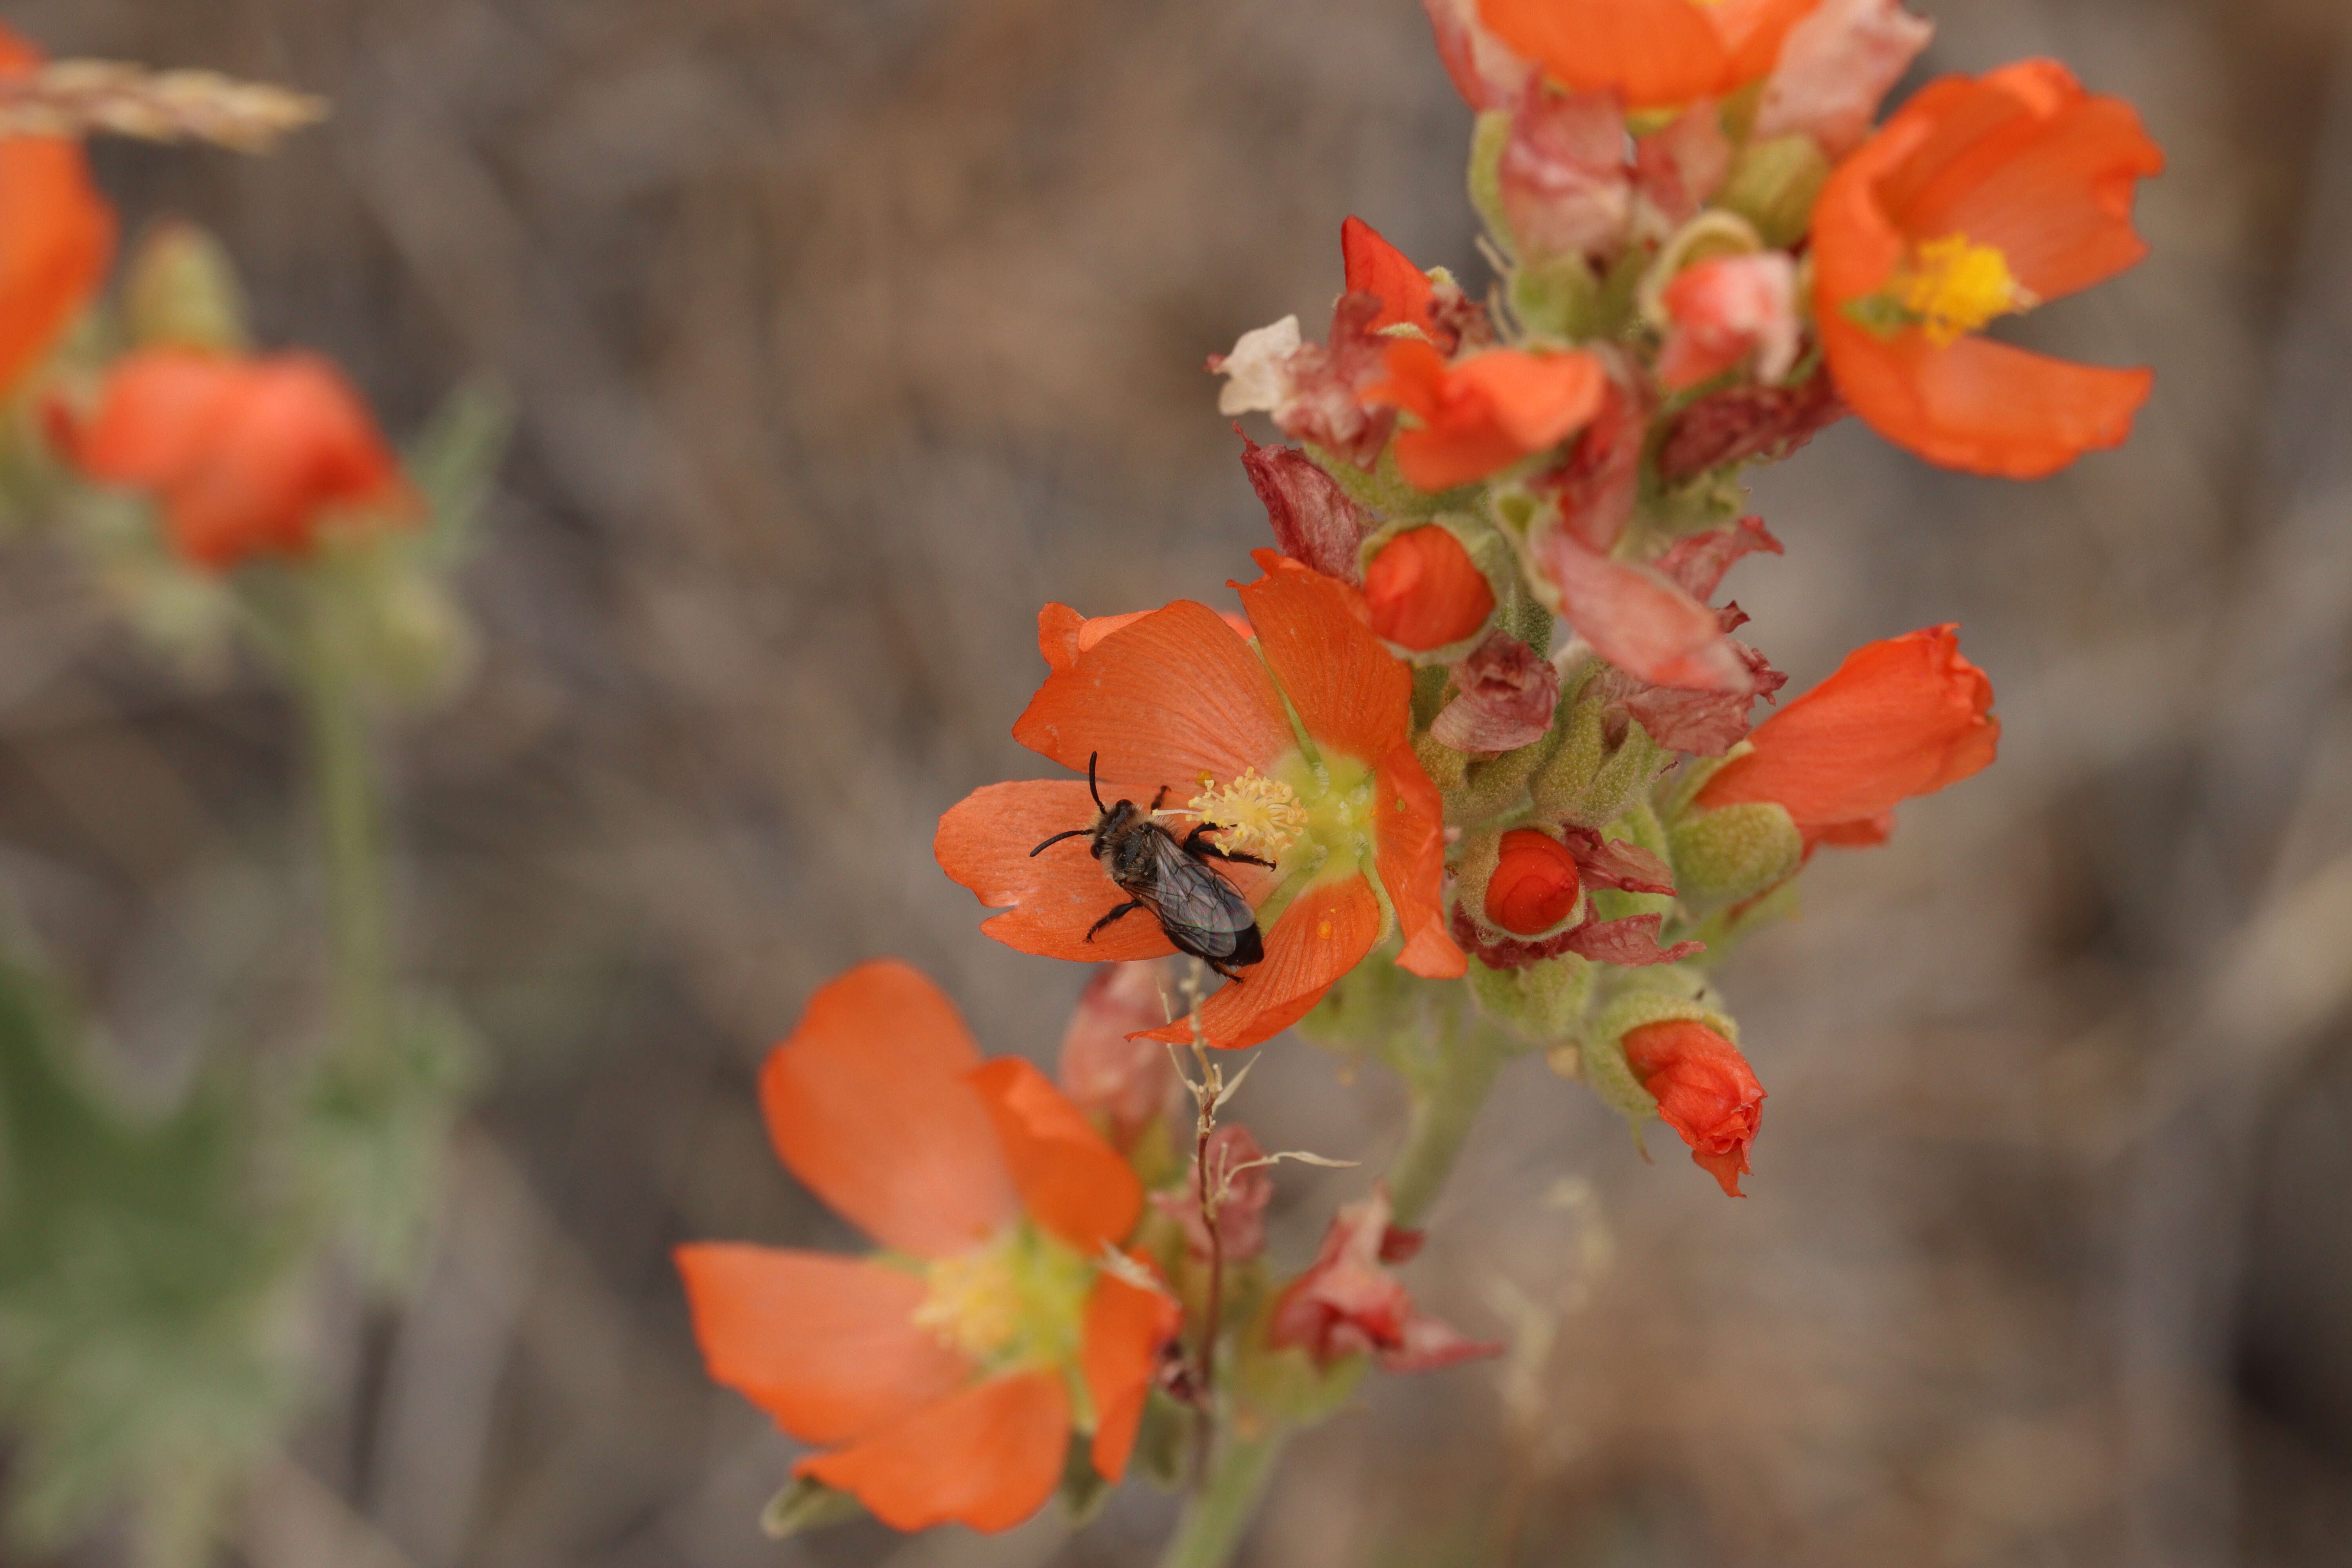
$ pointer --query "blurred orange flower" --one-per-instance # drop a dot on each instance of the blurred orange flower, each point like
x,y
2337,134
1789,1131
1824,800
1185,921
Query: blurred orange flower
x,y
246,455
1980,196
1652,53
57,234
1174,700
1484,411
1705,1091
946,1386
1424,590
1901,717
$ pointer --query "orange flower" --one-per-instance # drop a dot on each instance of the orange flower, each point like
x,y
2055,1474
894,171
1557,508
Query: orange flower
x,y
1483,411
1652,53
1901,717
57,234
1425,592
1705,1091
1981,196
1535,884
945,1381
1174,700
246,455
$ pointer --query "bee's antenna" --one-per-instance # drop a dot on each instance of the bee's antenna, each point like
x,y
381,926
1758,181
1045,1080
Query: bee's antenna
x,y
1073,833
1092,758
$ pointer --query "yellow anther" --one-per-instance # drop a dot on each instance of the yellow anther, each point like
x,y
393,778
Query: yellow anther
x,y
973,1302
1257,814
1955,286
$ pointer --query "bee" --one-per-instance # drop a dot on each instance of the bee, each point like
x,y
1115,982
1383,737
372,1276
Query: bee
x,y
1198,909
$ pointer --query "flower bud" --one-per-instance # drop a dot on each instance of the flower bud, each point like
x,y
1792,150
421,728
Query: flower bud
x,y
1605,762
1726,311
1425,592
1736,852
1535,887
1705,1091
1541,1002
1773,183
1127,1084
1563,175
181,292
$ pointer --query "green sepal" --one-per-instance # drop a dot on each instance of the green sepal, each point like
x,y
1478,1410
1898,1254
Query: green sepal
x,y
1384,489
1082,1491
1485,179
1653,999
804,1505
1159,1441
1773,184
1557,298
1734,852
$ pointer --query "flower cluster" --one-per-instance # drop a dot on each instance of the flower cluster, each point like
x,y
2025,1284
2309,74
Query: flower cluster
x,y
1476,772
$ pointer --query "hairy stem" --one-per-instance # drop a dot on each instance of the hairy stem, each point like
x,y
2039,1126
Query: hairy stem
x,y
1445,1104
1219,1511
343,765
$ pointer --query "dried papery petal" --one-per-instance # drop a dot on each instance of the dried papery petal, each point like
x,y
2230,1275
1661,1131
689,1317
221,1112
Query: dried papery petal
x,y
1565,182
1617,863
1741,423
1128,1083
1699,560
1257,372
1485,71
1315,523
1596,487
1505,695
1348,1303
1329,382
1835,67
1676,170
1639,619
1631,941
1241,1209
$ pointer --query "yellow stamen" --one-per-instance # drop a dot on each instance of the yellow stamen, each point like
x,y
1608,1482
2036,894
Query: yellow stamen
x,y
974,1303
1257,814
1955,286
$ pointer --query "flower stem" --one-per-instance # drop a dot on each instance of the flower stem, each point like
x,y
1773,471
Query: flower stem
x,y
1446,1103
1216,1516
343,766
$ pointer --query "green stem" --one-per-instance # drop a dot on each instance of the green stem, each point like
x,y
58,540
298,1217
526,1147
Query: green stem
x,y
1217,1514
343,766
1445,1104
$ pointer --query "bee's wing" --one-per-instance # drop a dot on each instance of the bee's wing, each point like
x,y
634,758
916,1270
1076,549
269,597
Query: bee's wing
x,y
1185,893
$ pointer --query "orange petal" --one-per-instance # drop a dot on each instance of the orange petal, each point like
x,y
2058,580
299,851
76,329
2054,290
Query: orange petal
x,y
1654,52
867,1105
1058,626
1324,933
155,417
1639,619
1170,698
1979,405
1411,834
983,843
826,1345
1538,399
57,235
1376,267
1125,1329
1352,694
988,1457
1072,1182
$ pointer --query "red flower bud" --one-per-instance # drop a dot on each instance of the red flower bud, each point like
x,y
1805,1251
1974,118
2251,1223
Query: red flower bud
x,y
1126,1083
1704,1092
1901,717
1535,883
1424,590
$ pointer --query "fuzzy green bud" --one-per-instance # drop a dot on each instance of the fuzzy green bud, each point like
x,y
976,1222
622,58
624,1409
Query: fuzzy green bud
x,y
1557,298
1541,1004
1773,183
1734,852
1593,779
181,292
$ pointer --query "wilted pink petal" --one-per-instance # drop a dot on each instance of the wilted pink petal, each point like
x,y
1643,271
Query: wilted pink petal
x,y
1241,1210
1835,67
1566,187
1598,484
1675,170
1348,1303
1325,404
1698,561
1315,523
1726,309
1505,693
1128,1083
1743,422
1615,863
1638,618
1485,71
1631,941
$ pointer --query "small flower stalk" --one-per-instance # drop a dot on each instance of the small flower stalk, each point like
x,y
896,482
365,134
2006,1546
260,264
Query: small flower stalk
x,y
1488,762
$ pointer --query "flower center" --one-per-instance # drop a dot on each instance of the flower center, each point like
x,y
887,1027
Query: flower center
x,y
1954,287
1257,814
1018,1299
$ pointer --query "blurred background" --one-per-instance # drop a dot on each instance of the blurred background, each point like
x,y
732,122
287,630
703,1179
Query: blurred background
x,y
846,333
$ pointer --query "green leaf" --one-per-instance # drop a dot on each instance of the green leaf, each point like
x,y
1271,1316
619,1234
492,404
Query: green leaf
x,y
806,1505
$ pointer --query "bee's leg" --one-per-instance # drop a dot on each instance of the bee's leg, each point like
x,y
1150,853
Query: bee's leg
x,y
1158,798
1232,975
1196,843
1123,909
